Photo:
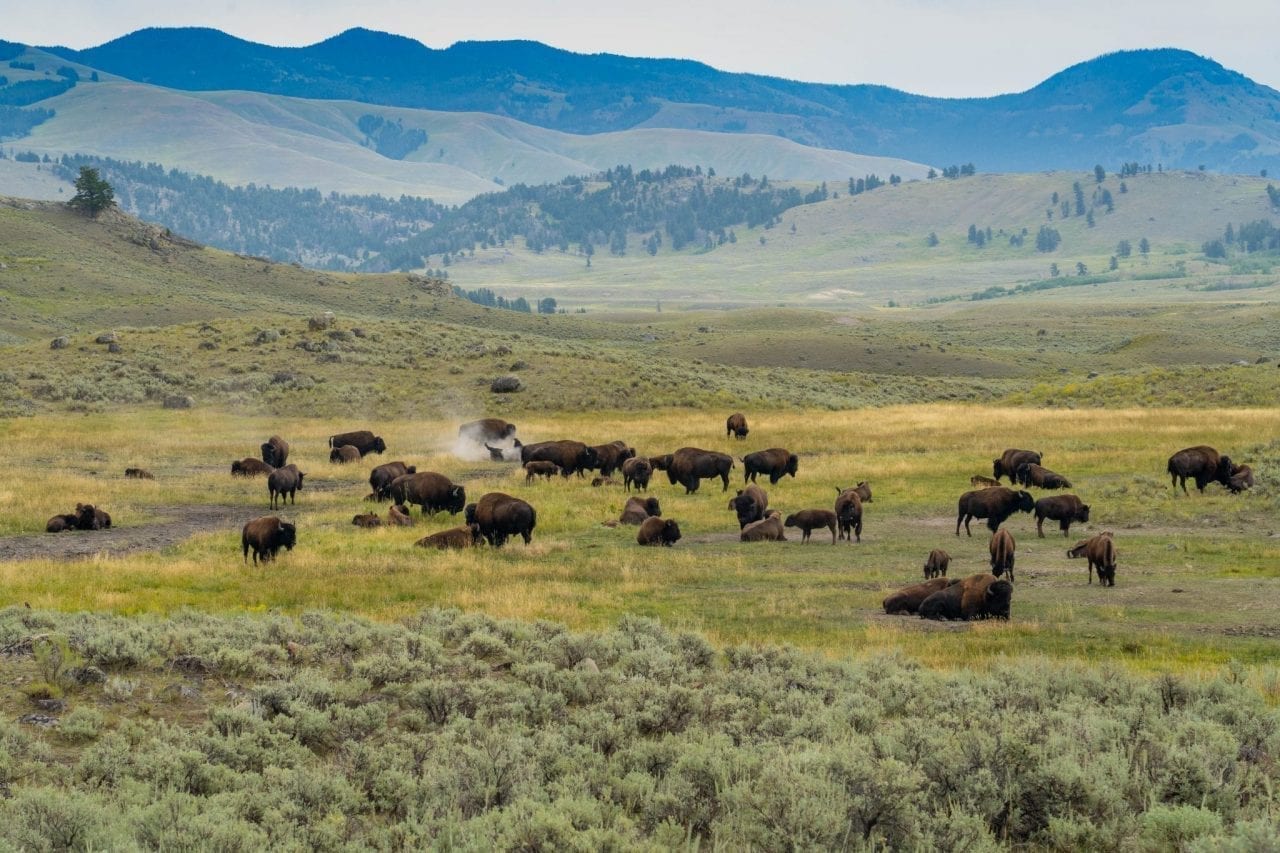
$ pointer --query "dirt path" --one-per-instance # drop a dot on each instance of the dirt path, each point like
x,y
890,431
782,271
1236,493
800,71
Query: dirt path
x,y
176,524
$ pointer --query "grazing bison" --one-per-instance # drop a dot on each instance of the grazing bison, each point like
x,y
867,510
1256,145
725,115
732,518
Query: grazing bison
x,y
610,457
1002,547
431,491
995,505
689,466
90,517
1031,474
1007,464
1202,464
809,520
275,451
59,523
381,477
636,471
572,456
908,599
282,482
398,516
540,468
1241,479
736,426
367,519
266,536
636,510
465,536
658,531
975,597
1063,509
849,513
776,462
500,516
750,504
249,467
980,482
362,440
344,454
138,474
1099,551
768,529
486,430
935,565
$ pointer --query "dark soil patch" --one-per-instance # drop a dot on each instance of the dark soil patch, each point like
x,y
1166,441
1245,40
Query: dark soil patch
x,y
176,524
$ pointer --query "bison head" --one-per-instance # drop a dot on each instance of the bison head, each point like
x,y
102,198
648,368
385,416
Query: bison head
x,y
287,535
793,463
509,431
652,506
300,476
379,446
590,457
997,469
1025,503
670,533
237,467
1225,470
660,463
476,536
999,594
457,499
864,491
1077,550
1083,515
469,514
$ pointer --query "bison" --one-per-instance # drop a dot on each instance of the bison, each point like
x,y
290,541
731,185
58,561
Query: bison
x,y
1241,479
90,517
138,474
431,491
282,482
1099,551
362,440
344,454
776,462
995,505
540,468
848,511
398,516
689,466
1063,509
465,536
636,510
636,471
661,463
1203,464
266,536
975,597
275,451
908,599
250,467
59,523
809,520
597,482
367,519
486,430
1002,547
935,565
658,531
499,516
381,477
980,482
1031,474
768,529
1007,464
750,504
572,456
610,457
736,426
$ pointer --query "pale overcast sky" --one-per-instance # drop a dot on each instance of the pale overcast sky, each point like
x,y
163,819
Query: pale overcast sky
x,y
951,48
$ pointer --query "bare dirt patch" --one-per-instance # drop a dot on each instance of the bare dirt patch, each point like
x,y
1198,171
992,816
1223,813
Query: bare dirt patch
x,y
175,524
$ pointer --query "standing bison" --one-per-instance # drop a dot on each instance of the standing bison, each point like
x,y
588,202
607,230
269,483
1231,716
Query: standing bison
x,y
848,511
381,477
429,490
275,451
776,462
362,440
1063,509
610,457
994,504
1099,551
572,456
486,430
750,505
1202,464
908,599
636,471
689,466
1008,463
809,520
540,468
499,516
266,536
1031,474
284,482
1002,547
975,597
658,531
736,426
935,565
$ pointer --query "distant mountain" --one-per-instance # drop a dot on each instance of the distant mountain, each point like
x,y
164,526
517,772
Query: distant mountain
x,y
1150,106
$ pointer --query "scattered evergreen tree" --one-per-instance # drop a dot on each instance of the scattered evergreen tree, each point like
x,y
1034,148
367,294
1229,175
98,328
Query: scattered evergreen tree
x,y
93,194
1124,249
1115,263
1214,249
1229,236
1273,194
1089,218
932,239
1144,246
1099,173
1053,270
1047,239
1081,269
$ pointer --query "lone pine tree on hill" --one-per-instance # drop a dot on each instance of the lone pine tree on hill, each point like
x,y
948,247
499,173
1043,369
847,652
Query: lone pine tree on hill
x,y
93,193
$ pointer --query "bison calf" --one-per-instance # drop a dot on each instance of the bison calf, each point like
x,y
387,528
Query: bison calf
x,y
1063,509
658,531
1241,479
768,529
935,565
59,523
344,454
367,519
398,516
540,468
138,474
809,520
266,536
980,482
1002,547
1099,551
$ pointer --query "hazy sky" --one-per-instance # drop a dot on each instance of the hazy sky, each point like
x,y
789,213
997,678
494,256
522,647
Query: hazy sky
x,y
953,48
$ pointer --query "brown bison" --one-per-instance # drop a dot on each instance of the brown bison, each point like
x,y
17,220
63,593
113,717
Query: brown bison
x,y
1031,474
995,505
465,536
689,466
275,451
1202,464
59,523
661,463
266,536
344,454
750,504
1007,464
597,482
768,529
1063,509
486,430
636,471
500,454
362,440
540,468
935,565
500,516
908,599
975,597
636,510
90,517
611,456
367,519
736,426
249,467
776,462
809,520
980,482
572,456
849,513
1241,479
381,477
1099,551
658,531
398,516
1002,547
431,491
282,482
138,474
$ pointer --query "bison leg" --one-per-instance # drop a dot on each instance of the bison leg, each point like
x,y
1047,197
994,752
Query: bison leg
x,y
1040,526
724,478
1065,524
1090,561
858,530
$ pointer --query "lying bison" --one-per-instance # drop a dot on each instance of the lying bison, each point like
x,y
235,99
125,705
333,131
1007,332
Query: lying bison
x,y
431,491
284,482
275,451
637,510
250,467
540,468
398,516
776,463
1241,479
658,531
736,426
571,456
636,471
610,457
1202,464
689,466
809,520
848,511
59,523
980,482
935,565
266,536
1031,474
995,505
768,529
1009,461
381,477
1064,509
1100,551
1002,547
367,519
750,505
344,454
908,599
486,430
464,536
138,474
975,597
500,516
362,440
